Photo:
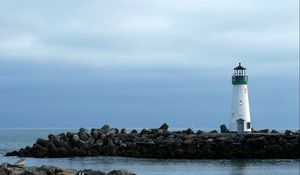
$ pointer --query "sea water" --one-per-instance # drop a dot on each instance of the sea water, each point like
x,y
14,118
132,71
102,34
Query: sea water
x,y
14,139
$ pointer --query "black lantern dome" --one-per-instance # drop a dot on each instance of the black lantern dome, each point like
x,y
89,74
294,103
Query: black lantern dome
x,y
239,76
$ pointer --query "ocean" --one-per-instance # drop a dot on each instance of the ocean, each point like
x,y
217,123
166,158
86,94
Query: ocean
x,y
13,139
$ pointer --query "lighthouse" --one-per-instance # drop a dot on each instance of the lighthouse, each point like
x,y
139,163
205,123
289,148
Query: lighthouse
x,y
240,110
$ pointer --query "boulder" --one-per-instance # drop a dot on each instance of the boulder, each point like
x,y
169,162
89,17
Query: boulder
x,y
213,131
188,142
39,151
50,169
120,172
274,131
123,131
200,132
263,131
83,134
288,132
95,133
99,143
42,142
52,137
144,131
133,131
164,126
105,129
188,131
113,131
224,129
74,138
90,172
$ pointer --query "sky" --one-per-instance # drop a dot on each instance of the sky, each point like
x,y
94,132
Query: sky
x,y
137,64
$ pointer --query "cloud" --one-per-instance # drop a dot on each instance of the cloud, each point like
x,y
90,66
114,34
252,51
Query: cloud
x,y
194,34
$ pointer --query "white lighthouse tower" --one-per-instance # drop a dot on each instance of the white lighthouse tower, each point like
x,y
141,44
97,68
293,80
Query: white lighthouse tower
x,y
240,110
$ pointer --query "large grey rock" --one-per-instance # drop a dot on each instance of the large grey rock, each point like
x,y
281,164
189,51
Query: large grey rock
x,y
105,129
188,131
274,131
95,133
52,137
123,131
90,172
134,131
200,132
121,172
113,131
99,143
42,142
144,131
164,126
213,131
288,132
83,134
50,169
39,151
263,131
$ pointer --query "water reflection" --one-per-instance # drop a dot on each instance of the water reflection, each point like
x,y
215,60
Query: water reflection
x,y
171,166
240,167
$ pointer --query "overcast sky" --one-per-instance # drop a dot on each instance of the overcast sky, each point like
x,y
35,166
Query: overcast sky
x,y
138,63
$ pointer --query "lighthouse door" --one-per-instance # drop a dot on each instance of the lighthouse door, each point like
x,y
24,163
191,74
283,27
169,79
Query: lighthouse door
x,y
240,125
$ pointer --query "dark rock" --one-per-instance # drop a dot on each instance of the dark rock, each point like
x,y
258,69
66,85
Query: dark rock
x,y
52,137
288,132
282,141
123,131
200,132
157,143
263,131
213,131
50,169
113,131
144,131
74,138
83,134
42,142
99,143
91,172
120,172
224,129
61,136
164,126
95,133
91,141
297,132
274,131
188,131
39,151
133,131
188,142
105,129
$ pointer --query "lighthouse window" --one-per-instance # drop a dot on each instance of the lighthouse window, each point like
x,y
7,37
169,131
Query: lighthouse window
x,y
248,125
241,102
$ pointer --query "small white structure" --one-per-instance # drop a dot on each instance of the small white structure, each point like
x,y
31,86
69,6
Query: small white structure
x,y
240,101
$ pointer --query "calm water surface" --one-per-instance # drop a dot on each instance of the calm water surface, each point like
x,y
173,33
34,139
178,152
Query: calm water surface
x,y
12,139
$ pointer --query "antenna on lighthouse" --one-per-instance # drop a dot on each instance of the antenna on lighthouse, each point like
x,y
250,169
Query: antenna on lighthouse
x,y
240,110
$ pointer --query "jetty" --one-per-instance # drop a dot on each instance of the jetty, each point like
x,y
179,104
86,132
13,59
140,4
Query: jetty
x,y
164,144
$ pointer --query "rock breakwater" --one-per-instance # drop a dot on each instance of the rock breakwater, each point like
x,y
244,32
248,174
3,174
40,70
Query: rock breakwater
x,y
162,143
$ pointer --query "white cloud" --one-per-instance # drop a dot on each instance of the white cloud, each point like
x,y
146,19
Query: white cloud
x,y
192,33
